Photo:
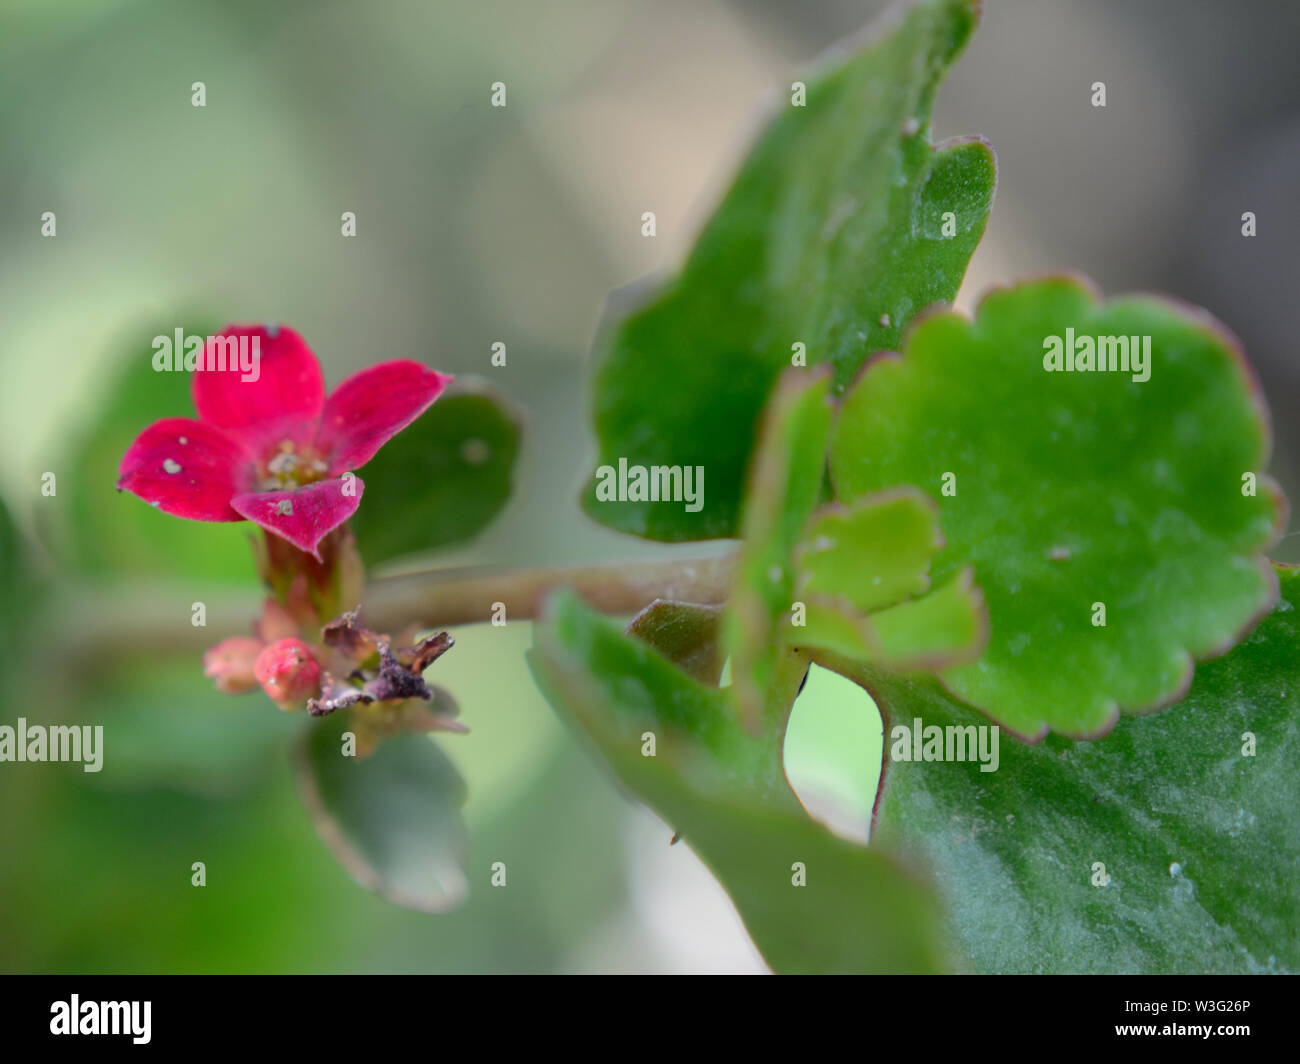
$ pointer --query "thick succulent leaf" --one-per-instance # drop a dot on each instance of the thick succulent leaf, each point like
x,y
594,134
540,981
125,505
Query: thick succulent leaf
x,y
1072,489
686,633
946,627
725,794
442,479
875,553
873,557
1194,812
785,486
392,819
694,723
810,577
832,236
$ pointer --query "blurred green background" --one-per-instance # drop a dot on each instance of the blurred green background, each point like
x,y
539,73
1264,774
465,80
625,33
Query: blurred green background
x,y
474,226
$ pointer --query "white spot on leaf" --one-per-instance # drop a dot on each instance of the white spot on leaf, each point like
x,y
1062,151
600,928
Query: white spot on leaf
x,y
474,451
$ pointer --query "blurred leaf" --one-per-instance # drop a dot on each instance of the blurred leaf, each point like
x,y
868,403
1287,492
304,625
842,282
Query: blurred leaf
x,y
831,236
685,633
166,726
1075,488
265,907
441,480
1200,839
103,531
725,794
16,593
391,819
785,486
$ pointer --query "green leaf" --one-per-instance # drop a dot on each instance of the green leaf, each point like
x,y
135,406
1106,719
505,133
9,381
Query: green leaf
x,y
809,577
391,819
872,555
168,727
102,531
1200,838
686,633
725,794
936,630
441,480
23,597
1070,489
831,236
695,724
16,592
785,486
860,567
930,633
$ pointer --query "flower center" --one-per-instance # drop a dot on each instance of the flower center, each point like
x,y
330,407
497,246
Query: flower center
x,y
288,468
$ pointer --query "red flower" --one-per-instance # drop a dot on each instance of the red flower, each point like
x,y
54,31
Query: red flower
x,y
274,450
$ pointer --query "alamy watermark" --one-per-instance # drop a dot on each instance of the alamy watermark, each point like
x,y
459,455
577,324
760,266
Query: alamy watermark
x,y
1098,354
955,742
638,483
181,353
58,742
102,1017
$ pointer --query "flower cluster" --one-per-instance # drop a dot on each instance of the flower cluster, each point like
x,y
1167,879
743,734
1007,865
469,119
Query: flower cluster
x,y
350,667
274,449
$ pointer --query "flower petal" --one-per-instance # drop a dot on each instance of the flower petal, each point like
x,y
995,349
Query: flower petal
x,y
187,469
371,407
305,515
281,397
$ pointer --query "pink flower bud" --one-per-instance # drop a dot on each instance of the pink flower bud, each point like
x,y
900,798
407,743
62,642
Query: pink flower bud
x,y
230,664
276,623
288,673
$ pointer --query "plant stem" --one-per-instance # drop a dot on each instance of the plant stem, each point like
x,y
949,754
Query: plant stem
x,y
157,618
466,596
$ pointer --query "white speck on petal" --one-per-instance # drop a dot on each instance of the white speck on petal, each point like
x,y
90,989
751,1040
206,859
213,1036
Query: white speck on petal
x,y
284,506
183,440
171,466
